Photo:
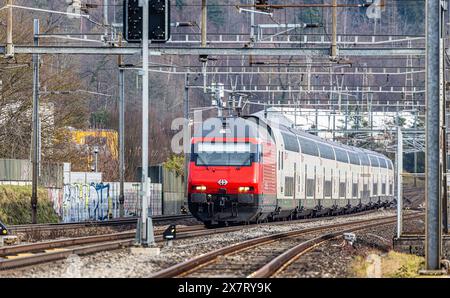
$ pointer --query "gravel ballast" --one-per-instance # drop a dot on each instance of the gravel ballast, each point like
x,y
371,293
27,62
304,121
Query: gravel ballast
x,y
124,263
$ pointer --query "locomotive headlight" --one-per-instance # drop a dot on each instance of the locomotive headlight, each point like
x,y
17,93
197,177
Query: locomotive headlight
x,y
4,232
244,189
200,188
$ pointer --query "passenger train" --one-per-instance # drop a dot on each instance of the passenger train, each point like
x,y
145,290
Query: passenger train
x,y
252,169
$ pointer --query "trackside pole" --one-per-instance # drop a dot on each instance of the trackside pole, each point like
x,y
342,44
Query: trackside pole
x,y
433,229
187,134
398,179
121,139
121,132
146,236
35,144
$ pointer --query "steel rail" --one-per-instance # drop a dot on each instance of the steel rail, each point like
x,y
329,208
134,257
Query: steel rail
x,y
62,254
41,252
33,247
40,246
63,245
92,244
88,224
279,263
191,265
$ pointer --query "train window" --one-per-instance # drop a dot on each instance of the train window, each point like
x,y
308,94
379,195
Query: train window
x,y
342,189
289,186
310,187
341,155
383,188
326,151
290,142
364,159
375,189
225,154
279,160
374,161
327,188
383,162
366,192
390,165
355,190
391,188
353,158
308,147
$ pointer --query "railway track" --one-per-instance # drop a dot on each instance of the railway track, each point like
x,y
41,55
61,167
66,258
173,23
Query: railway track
x,y
41,252
89,224
35,253
265,256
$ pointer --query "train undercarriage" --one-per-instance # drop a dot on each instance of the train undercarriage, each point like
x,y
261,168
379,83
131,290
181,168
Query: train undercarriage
x,y
217,210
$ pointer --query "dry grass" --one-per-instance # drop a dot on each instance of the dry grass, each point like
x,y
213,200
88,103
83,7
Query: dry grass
x,y
392,265
15,205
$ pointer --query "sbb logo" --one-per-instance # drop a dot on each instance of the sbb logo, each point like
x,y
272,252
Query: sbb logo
x,y
222,182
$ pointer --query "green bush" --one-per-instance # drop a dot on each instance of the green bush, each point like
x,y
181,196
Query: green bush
x,y
15,205
175,163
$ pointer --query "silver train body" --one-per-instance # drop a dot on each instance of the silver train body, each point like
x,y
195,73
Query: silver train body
x,y
321,177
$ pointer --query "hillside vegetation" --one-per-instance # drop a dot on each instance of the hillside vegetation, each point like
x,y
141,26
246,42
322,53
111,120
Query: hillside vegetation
x,y
15,206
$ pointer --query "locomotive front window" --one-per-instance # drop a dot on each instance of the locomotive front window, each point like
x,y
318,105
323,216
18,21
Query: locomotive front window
x,y
224,154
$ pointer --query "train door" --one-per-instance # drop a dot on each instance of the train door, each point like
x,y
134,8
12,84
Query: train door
x,y
315,182
299,180
324,183
331,185
347,183
318,173
280,174
306,181
295,180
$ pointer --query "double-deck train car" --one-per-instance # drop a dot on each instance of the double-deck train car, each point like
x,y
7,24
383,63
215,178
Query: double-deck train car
x,y
249,169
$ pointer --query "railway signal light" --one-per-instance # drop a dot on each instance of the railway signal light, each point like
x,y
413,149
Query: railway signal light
x,y
170,233
159,22
3,229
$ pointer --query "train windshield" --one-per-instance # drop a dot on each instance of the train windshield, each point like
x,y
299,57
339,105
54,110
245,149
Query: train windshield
x,y
223,154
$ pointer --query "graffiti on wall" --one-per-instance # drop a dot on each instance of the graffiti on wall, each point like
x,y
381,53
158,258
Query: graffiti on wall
x,y
83,202
100,201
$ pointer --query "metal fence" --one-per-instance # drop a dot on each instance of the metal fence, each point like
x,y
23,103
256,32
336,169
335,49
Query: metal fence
x,y
173,192
132,204
15,170
20,170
